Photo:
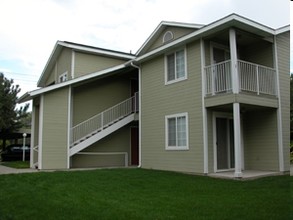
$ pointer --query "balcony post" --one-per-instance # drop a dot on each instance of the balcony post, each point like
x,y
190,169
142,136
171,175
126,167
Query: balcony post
x,y
237,140
233,55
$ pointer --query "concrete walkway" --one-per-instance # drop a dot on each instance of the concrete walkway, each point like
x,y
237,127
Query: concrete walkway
x,y
8,170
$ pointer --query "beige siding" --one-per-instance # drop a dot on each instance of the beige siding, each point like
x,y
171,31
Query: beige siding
x,y
118,141
284,79
52,77
64,63
259,53
177,33
55,122
159,100
261,140
94,97
89,63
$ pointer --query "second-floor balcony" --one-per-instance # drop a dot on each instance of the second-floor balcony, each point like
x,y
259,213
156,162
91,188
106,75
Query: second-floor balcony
x,y
252,78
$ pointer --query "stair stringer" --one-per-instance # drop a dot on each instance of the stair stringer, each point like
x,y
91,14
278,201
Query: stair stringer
x,y
101,134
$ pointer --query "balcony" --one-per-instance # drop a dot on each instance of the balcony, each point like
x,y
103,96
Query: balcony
x,y
252,78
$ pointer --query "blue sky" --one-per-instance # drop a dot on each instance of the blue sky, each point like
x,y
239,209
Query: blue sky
x,y
29,29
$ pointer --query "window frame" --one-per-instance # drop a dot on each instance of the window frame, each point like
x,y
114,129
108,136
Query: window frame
x,y
167,82
63,75
164,40
167,117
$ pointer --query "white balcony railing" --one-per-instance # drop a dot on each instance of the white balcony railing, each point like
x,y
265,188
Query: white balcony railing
x,y
104,119
253,78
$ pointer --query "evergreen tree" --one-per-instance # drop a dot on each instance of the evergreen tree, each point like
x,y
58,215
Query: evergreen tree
x,y
10,118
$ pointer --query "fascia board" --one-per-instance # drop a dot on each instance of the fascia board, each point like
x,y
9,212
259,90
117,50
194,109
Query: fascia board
x,y
283,29
231,20
76,80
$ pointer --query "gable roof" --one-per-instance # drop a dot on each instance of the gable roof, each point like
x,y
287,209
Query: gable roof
x,y
160,28
77,47
229,21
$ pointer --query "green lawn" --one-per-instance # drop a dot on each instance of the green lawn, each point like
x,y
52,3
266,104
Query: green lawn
x,y
140,194
16,164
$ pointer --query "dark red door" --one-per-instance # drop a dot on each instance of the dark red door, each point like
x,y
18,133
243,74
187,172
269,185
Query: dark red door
x,y
134,146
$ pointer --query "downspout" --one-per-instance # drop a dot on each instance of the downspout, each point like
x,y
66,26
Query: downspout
x,y
139,110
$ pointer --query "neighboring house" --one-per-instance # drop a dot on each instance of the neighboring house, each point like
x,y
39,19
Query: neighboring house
x,y
199,99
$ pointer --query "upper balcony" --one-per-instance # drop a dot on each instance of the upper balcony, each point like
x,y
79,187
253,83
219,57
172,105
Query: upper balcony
x,y
252,78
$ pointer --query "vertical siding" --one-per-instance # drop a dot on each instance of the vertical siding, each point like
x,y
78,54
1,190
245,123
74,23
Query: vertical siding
x,y
89,63
159,100
119,141
54,151
284,80
261,140
94,97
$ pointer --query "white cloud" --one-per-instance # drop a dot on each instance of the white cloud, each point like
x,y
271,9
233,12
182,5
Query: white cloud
x,y
29,29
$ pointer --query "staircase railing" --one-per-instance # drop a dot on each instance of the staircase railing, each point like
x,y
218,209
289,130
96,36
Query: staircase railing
x,y
104,119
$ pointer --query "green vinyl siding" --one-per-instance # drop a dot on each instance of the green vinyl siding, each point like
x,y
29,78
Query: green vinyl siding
x,y
89,63
64,63
54,136
177,33
260,140
94,97
119,141
283,51
159,100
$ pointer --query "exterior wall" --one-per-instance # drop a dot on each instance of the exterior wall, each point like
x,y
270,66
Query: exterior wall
x,y
119,141
283,52
52,77
259,53
94,97
89,63
210,141
64,63
261,140
177,33
54,136
159,100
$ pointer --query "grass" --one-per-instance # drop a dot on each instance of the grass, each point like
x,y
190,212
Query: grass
x,y
17,164
140,194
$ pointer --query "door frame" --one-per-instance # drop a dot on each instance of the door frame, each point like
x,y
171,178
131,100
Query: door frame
x,y
227,116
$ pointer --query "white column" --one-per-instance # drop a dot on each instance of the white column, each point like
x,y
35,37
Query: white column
x,y
237,140
69,125
32,162
233,55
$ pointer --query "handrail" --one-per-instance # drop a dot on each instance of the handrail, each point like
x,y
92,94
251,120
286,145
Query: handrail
x,y
99,121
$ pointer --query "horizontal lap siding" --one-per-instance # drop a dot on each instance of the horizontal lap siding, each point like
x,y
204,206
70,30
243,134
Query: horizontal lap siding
x,y
260,140
284,79
88,63
159,100
119,141
55,122
64,63
94,97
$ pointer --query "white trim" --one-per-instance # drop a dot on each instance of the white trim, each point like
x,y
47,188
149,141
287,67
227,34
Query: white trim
x,y
63,77
139,117
32,136
69,124
172,37
185,114
237,140
72,64
41,119
234,60
76,80
166,66
282,29
279,111
204,110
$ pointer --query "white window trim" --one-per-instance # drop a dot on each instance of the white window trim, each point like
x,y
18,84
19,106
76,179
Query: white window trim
x,y
62,75
172,36
185,114
166,67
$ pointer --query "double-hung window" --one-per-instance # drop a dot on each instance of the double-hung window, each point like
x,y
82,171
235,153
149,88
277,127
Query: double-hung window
x,y
175,67
177,132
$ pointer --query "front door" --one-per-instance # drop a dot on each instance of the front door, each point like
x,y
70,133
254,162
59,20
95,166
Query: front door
x,y
224,144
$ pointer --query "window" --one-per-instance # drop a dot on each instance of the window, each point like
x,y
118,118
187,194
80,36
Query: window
x,y
63,77
175,67
167,36
176,132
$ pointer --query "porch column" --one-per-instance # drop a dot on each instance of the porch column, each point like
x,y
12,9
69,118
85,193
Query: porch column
x,y
237,140
233,55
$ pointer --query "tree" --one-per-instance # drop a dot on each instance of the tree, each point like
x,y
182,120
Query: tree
x,y
11,118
